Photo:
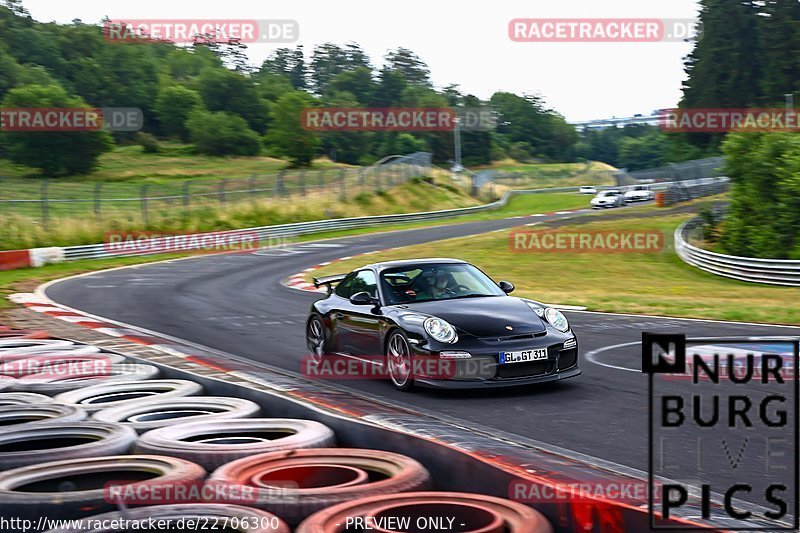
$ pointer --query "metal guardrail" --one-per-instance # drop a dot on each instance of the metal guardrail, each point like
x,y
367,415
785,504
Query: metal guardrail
x,y
276,232
754,270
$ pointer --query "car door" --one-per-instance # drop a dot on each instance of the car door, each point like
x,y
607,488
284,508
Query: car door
x,y
339,303
360,324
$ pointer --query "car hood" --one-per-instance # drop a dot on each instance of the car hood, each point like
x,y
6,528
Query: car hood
x,y
489,316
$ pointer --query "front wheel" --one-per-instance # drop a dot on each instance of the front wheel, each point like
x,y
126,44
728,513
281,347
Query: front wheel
x,y
399,361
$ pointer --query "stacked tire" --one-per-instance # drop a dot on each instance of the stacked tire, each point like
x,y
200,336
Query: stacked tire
x,y
125,444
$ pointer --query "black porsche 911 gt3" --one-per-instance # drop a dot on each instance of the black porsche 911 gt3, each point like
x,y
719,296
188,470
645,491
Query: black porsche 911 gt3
x,y
440,323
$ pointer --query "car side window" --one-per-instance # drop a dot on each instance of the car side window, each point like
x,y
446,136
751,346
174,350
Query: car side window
x,y
343,288
364,281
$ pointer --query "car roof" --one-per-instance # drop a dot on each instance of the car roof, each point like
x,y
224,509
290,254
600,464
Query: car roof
x,y
411,262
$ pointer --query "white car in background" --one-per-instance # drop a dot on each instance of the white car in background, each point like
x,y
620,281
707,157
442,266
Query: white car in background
x,y
608,198
639,193
588,189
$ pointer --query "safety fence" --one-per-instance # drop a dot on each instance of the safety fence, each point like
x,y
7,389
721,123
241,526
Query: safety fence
x,y
49,200
685,190
755,270
695,169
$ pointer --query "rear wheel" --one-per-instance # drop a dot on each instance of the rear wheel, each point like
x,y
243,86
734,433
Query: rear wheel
x,y
399,361
315,338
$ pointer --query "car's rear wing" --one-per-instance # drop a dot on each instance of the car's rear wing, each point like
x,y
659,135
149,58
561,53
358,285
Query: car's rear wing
x,y
328,281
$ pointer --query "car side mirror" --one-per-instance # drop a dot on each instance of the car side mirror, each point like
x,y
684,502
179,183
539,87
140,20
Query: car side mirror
x,y
506,286
363,298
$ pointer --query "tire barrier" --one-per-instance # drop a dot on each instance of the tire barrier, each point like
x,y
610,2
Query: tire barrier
x,y
28,347
37,443
214,443
106,395
22,398
79,487
297,483
89,353
15,416
431,511
6,383
292,484
146,416
50,382
181,517
11,333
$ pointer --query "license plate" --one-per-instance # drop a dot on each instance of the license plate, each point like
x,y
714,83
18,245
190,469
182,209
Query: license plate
x,y
523,356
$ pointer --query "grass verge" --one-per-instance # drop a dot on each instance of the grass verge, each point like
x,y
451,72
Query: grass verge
x,y
639,283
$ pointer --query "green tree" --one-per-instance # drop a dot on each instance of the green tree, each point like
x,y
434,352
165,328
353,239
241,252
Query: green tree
x,y
724,68
56,153
328,60
286,134
271,86
346,146
357,82
407,63
221,133
224,90
10,71
173,107
289,63
636,153
780,41
763,218
525,119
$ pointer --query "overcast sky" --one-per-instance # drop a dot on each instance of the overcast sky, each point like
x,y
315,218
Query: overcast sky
x,y
463,42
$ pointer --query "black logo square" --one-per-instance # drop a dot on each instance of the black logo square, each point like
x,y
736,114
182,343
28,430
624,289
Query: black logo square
x,y
655,346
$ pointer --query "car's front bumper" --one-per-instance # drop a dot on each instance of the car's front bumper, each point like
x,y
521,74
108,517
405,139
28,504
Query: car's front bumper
x,y
489,383
483,368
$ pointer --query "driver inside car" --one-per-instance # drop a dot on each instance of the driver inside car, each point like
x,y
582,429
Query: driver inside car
x,y
437,284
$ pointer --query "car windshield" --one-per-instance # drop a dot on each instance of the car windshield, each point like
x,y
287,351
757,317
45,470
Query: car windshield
x,y
424,283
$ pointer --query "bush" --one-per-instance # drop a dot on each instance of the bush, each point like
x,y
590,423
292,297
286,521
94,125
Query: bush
x,y
764,215
56,153
221,133
286,135
521,152
148,142
173,106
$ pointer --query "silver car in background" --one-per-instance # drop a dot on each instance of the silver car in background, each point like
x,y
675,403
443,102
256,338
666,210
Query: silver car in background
x,y
608,198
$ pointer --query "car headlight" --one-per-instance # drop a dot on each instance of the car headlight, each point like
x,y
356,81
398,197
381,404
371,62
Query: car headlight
x,y
440,330
536,309
556,319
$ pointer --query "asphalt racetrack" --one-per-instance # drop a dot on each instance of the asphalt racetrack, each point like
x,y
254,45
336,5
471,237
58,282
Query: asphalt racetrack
x,y
237,304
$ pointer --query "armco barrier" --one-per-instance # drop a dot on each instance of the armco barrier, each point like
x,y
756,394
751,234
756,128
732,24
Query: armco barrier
x,y
35,257
768,271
